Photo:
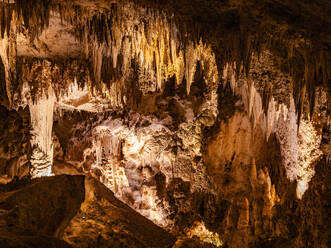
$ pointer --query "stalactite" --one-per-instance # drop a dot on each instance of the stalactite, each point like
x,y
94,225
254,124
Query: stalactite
x,y
190,64
149,38
35,75
299,145
237,47
127,32
35,14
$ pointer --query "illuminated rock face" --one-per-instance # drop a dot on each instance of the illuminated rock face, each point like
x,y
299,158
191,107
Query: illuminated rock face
x,y
42,146
155,44
255,126
133,153
134,158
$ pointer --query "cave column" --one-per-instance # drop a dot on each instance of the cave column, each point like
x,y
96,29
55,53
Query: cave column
x,y
41,114
8,53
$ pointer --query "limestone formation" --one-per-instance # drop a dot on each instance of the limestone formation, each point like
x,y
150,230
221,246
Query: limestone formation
x,y
181,123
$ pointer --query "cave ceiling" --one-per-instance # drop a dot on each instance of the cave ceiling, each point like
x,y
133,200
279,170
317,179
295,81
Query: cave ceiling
x,y
296,32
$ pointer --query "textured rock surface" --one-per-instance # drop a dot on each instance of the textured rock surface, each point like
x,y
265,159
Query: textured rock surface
x,y
39,209
15,144
78,210
104,221
209,118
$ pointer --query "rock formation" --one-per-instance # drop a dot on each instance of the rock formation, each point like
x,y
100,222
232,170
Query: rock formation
x,y
201,124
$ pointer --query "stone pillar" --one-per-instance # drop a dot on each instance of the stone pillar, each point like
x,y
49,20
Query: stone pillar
x,y
41,114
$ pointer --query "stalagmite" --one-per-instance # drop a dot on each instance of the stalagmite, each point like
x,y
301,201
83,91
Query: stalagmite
x,y
253,173
243,219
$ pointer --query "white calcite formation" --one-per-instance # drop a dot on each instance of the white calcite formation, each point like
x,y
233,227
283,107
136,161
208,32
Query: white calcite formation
x,y
129,152
41,113
128,158
309,141
135,34
300,147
